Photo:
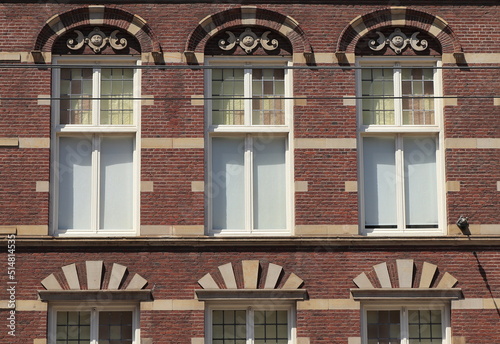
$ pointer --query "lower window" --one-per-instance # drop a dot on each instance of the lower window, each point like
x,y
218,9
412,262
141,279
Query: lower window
x,y
95,184
405,325
93,326
248,184
400,183
250,326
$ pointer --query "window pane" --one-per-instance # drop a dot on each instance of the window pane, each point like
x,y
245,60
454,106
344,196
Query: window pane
x,y
116,94
420,181
73,327
383,327
268,91
76,94
227,189
379,182
425,326
418,87
228,87
74,182
229,327
115,327
378,82
273,326
116,198
269,183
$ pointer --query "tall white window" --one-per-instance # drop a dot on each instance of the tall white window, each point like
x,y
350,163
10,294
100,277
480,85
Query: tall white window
x,y
400,135
408,324
249,125
250,325
95,160
93,325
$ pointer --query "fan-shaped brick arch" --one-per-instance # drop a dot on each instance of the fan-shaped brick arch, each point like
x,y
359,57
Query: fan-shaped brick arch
x,y
398,17
250,277
404,279
95,16
90,275
248,16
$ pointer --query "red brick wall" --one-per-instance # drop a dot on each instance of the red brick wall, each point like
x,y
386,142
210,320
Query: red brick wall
x,y
327,272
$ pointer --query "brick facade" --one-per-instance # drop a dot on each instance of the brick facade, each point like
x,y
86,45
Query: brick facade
x,y
173,247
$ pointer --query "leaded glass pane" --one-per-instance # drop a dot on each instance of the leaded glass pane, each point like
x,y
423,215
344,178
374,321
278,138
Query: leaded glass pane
x,y
417,92
76,96
268,92
73,327
378,82
272,327
383,327
228,326
115,327
425,326
228,94
116,96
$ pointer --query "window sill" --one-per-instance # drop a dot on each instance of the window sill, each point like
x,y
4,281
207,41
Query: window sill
x,y
254,294
406,294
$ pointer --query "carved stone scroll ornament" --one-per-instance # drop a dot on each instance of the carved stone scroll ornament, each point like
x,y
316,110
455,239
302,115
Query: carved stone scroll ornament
x,y
248,40
96,40
398,41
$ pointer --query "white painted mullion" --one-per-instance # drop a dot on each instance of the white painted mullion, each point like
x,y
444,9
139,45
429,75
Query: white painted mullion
x,y
95,182
94,326
250,326
96,95
400,180
404,325
136,162
440,156
398,101
248,95
248,168
289,149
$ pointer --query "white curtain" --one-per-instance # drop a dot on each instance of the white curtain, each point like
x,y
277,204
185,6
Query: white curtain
x,y
116,184
269,183
420,181
228,183
74,179
379,181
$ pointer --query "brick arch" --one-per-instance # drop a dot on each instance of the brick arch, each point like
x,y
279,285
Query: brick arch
x,y
404,273
96,16
93,275
247,16
251,274
398,17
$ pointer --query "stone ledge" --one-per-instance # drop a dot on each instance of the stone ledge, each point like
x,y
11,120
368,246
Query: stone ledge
x,y
407,294
95,295
449,242
254,294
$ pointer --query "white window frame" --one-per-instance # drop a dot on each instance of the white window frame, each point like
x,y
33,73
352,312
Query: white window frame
x,y
398,131
94,308
403,307
94,131
250,307
250,131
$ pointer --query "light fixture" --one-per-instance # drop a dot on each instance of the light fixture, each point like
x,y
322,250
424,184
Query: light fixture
x,y
463,224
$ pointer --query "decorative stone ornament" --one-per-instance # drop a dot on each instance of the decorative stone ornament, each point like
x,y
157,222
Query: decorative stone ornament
x,y
96,40
248,40
398,41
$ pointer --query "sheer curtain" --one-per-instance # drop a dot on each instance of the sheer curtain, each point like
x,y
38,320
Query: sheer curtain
x,y
228,183
420,181
269,183
75,184
379,181
116,184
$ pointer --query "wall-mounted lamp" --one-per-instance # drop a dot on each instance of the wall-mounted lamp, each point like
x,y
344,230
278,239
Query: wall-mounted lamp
x,y
463,224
